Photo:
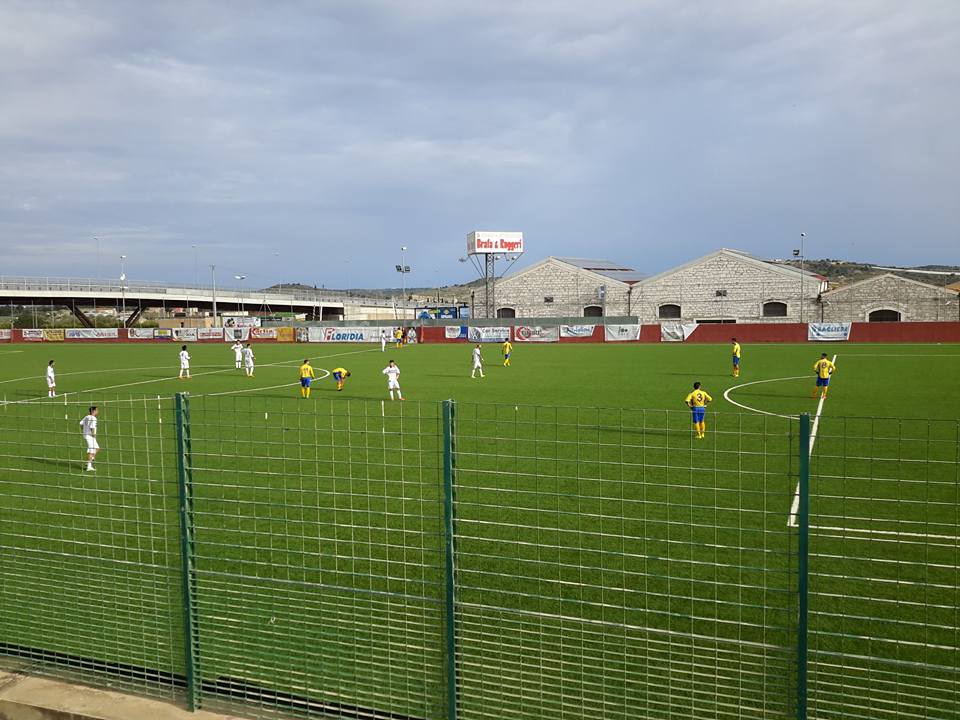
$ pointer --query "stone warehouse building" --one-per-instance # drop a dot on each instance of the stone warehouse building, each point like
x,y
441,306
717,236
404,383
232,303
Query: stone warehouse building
x,y
724,286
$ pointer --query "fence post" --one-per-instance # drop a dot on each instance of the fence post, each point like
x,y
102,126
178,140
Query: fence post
x,y
803,550
450,547
188,576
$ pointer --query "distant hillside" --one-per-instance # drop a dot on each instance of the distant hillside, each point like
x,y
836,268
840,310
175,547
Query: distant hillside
x,y
447,293
844,272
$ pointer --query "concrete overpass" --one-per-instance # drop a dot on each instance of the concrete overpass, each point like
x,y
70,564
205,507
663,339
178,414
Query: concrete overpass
x,y
130,299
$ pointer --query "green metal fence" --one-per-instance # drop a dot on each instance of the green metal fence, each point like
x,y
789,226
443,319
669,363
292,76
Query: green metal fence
x,y
277,557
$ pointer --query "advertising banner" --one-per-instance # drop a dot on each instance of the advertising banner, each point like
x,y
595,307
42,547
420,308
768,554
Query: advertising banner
x,y
576,331
140,333
236,321
185,334
536,333
213,333
285,334
676,331
621,333
828,332
92,333
482,242
53,335
236,333
488,334
5,334
163,334
455,332
344,334
33,335
262,333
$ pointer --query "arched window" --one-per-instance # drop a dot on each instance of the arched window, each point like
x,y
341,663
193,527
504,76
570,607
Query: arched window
x,y
774,309
884,316
506,312
593,311
669,312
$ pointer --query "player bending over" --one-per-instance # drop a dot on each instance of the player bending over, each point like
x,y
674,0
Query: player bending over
x,y
477,362
248,359
697,402
237,354
736,357
823,369
507,349
340,375
393,379
88,426
184,363
51,380
306,376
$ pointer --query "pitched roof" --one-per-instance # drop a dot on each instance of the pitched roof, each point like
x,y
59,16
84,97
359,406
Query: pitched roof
x,y
876,278
780,268
607,268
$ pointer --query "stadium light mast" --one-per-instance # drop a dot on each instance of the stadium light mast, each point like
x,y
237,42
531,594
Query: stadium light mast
x,y
799,253
213,280
123,289
403,269
243,304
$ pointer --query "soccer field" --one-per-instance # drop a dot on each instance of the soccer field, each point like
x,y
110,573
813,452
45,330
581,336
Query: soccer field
x,y
608,564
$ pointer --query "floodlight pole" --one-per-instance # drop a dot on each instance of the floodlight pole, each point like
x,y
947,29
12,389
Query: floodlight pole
x,y
802,238
243,304
123,289
213,280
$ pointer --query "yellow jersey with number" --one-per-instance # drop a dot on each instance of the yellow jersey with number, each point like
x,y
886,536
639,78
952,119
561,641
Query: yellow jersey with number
x,y
306,371
698,398
824,368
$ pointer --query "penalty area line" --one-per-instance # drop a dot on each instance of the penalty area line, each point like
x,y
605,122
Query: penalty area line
x,y
795,505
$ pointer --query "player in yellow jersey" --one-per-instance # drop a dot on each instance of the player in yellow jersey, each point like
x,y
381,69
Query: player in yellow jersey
x,y
823,369
736,357
697,402
306,377
398,337
340,375
507,349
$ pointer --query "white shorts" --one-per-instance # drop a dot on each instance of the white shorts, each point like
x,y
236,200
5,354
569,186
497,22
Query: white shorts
x,y
184,366
91,443
393,384
238,357
51,383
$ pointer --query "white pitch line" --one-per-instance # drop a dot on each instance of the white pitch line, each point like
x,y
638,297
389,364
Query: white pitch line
x,y
795,505
726,395
892,533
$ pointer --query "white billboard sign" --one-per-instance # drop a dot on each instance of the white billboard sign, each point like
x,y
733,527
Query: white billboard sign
x,y
621,333
482,242
92,333
536,333
344,334
828,332
488,334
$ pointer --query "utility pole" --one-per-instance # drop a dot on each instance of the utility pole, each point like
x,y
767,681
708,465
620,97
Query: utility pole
x,y
213,279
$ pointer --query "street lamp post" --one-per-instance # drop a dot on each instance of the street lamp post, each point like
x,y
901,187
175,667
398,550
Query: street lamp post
x,y
123,289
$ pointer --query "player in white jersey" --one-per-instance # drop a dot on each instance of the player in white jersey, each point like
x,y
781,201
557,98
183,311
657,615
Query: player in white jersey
x,y
477,362
51,380
383,340
393,379
184,363
248,359
237,354
88,426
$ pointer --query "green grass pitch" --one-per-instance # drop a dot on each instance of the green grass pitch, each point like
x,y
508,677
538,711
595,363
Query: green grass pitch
x,y
608,563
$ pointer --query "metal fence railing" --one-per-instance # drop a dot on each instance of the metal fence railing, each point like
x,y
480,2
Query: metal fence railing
x,y
365,559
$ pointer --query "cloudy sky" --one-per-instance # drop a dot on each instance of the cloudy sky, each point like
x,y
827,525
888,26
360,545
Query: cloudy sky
x,y
307,141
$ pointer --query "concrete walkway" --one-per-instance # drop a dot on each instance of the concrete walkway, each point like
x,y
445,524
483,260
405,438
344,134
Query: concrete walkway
x,y
25,697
